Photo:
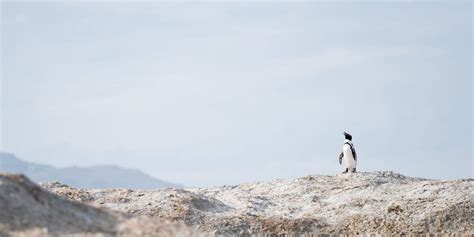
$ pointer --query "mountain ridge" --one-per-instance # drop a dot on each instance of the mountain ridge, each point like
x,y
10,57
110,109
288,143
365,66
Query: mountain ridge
x,y
83,176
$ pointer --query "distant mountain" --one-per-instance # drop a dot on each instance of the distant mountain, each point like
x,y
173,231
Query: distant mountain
x,y
104,176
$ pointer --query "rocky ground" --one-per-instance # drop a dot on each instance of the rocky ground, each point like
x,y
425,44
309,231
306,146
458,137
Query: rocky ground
x,y
384,203
28,210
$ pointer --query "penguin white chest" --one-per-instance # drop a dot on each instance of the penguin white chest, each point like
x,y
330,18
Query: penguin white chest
x,y
348,158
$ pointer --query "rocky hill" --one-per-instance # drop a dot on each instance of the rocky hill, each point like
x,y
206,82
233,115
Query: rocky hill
x,y
28,210
361,203
82,177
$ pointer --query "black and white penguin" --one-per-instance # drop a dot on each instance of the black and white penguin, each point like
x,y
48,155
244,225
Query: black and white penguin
x,y
348,154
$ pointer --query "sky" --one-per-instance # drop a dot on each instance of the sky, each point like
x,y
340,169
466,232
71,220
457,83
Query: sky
x,y
216,93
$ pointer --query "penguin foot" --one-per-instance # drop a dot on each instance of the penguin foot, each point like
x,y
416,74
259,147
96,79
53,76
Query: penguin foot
x,y
347,170
353,170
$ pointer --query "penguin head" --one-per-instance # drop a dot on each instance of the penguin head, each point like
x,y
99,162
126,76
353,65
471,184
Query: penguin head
x,y
348,136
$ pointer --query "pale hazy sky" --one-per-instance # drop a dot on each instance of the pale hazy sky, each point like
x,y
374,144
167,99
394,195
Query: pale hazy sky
x,y
223,93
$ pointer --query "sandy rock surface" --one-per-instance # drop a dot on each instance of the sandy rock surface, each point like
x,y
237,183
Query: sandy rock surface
x,y
28,210
376,202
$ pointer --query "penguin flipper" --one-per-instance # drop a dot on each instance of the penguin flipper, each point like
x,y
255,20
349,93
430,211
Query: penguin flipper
x,y
354,154
340,158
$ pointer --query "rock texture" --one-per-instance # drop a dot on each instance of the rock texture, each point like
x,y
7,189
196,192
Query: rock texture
x,y
362,203
27,210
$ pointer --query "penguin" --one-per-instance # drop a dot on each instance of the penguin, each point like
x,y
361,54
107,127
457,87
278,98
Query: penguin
x,y
348,154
